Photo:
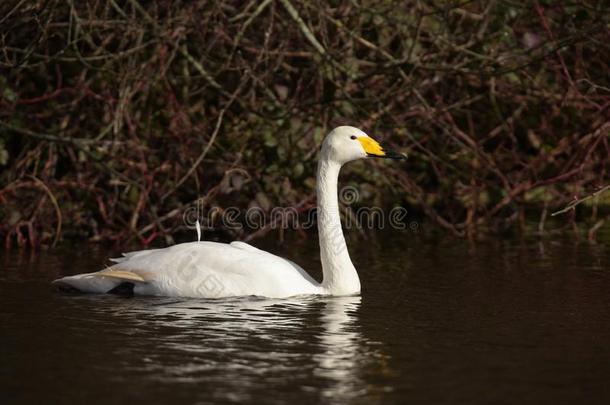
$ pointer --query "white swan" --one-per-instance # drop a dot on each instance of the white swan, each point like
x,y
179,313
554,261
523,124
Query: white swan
x,y
216,270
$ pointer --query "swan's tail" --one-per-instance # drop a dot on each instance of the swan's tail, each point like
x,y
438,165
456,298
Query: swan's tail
x,y
101,282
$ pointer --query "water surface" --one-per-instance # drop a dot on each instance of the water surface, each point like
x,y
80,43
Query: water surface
x,y
446,321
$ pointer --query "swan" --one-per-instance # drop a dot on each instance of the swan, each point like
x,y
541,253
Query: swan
x,y
219,270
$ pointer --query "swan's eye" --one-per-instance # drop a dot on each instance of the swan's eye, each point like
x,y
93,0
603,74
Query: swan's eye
x,y
352,137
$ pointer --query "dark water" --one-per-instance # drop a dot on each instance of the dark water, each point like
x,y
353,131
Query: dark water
x,y
522,321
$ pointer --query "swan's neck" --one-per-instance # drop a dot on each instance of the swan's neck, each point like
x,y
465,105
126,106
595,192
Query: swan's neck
x,y
340,276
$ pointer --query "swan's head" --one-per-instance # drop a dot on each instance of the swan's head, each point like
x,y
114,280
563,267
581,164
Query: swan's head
x,y
345,144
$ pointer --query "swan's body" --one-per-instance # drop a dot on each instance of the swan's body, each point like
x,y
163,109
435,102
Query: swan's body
x,y
203,269
216,270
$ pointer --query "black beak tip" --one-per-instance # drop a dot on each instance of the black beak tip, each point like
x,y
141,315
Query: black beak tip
x,y
395,155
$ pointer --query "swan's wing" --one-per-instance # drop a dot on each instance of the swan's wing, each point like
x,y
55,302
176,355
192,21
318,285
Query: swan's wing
x,y
250,248
244,246
209,269
202,269
131,255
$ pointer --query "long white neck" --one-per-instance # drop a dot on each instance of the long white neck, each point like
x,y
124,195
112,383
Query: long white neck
x,y
340,276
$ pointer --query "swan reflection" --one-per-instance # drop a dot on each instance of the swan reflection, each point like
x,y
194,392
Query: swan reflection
x,y
340,341
240,346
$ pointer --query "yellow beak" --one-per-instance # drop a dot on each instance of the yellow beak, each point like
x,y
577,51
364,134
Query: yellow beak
x,y
374,149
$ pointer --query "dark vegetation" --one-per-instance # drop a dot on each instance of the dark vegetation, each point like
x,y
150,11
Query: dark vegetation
x,y
117,115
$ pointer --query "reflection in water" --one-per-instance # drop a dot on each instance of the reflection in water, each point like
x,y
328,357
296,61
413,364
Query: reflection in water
x,y
339,341
245,344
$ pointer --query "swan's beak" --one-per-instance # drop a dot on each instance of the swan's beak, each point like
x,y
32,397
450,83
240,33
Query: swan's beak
x,y
374,149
